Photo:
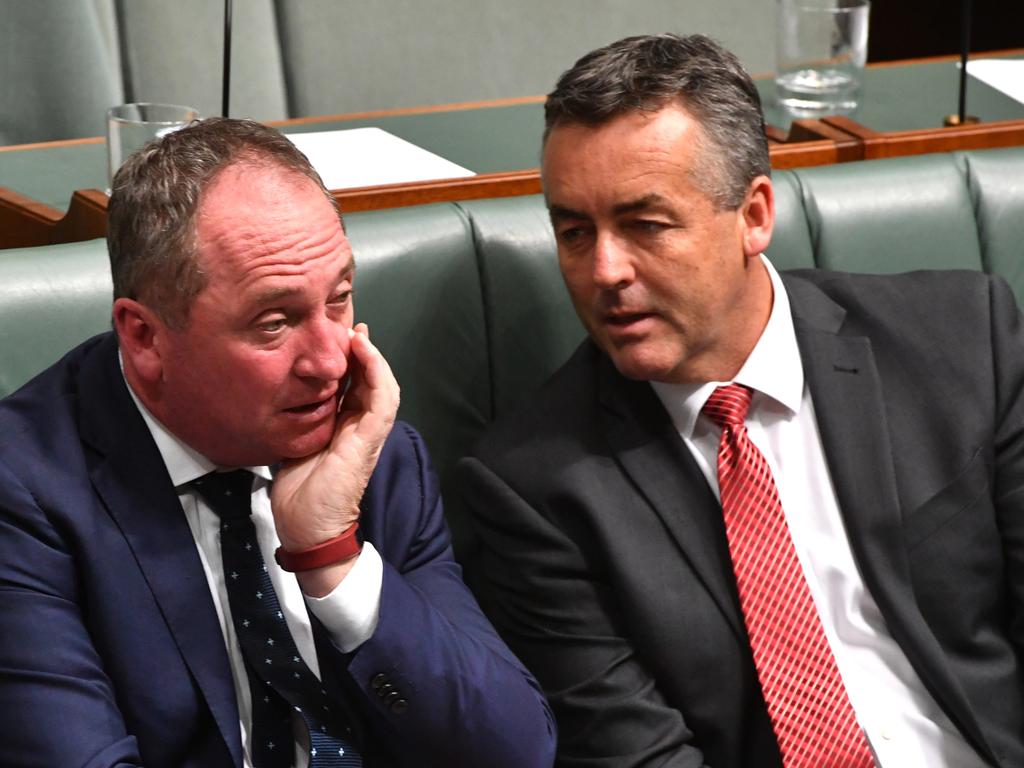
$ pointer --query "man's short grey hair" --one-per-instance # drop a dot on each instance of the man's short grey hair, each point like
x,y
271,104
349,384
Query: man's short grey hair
x,y
155,197
647,72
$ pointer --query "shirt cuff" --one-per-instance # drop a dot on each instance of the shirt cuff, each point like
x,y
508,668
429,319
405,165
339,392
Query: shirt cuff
x,y
350,612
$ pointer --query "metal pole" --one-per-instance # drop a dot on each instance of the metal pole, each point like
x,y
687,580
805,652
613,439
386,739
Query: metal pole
x,y
226,86
965,46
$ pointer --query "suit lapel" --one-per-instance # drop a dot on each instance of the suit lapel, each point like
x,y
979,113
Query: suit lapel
x,y
849,405
661,468
132,481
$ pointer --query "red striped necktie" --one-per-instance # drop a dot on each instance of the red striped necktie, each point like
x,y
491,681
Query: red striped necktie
x,y
810,712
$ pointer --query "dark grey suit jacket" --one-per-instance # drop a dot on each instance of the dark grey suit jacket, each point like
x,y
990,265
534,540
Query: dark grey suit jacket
x,y
605,563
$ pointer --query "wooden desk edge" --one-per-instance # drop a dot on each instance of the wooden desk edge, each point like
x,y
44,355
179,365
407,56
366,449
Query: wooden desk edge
x,y
86,216
26,222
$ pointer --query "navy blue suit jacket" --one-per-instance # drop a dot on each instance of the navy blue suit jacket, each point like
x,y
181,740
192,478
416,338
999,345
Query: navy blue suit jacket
x,y
110,649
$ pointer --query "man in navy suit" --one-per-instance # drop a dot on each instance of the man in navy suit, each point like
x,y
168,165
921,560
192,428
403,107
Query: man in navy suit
x,y
234,347
830,577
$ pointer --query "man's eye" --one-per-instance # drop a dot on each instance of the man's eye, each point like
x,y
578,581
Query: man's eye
x,y
648,225
272,326
571,234
342,297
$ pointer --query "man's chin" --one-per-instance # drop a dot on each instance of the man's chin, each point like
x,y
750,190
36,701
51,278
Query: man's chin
x,y
309,442
639,364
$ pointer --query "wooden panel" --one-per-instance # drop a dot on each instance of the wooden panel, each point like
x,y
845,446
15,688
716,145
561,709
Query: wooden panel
x,y
86,217
1003,133
25,222
445,190
806,153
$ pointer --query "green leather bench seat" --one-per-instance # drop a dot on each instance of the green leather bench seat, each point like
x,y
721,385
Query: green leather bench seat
x,y
996,183
417,289
791,246
892,216
467,303
530,324
51,298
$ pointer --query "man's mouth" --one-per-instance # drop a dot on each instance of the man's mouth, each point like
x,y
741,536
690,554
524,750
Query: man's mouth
x,y
623,319
314,407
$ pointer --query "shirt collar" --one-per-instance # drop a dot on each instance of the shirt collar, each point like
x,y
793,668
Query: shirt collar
x,y
773,368
184,463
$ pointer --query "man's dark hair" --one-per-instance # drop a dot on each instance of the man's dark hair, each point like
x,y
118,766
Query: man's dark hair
x,y
156,194
645,73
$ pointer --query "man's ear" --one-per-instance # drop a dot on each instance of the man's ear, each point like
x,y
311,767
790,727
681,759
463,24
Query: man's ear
x,y
758,216
139,332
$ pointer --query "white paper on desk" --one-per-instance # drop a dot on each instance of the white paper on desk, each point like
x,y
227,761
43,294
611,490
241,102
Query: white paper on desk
x,y
366,157
1006,75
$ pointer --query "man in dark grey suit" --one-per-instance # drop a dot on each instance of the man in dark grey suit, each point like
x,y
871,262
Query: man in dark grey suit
x,y
882,456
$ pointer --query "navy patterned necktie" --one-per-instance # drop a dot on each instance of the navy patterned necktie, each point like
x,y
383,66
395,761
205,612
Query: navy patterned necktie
x,y
279,680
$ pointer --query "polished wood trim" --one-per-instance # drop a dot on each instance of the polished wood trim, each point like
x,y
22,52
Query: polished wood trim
x,y
848,144
86,218
53,144
25,222
805,153
834,139
406,111
850,126
87,214
993,135
946,57
775,134
510,184
811,142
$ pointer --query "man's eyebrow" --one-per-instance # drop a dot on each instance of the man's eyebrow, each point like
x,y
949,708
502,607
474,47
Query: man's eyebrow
x,y
640,204
272,295
560,213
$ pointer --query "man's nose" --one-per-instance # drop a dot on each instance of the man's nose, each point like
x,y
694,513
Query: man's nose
x,y
325,348
612,262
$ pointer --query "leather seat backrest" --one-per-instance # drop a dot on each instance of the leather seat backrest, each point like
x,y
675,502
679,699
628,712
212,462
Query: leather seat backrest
x,y
790,247
996,182
530,322
51,299
893,215
416,288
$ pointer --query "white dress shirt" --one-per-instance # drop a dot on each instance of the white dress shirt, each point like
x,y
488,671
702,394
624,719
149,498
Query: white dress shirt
x,y
904,725
349,613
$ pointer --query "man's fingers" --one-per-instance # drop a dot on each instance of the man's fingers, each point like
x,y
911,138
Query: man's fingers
x,y
370,405
379,390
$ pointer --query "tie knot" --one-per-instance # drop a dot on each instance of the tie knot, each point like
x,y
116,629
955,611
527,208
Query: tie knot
x,y
227,493
728,405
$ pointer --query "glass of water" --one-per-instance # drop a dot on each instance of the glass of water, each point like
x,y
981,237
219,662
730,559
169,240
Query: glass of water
x,y
130,126
822,47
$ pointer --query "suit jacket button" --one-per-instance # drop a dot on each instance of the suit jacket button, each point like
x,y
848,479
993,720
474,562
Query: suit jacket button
x,y
398,706
385,690
378,680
